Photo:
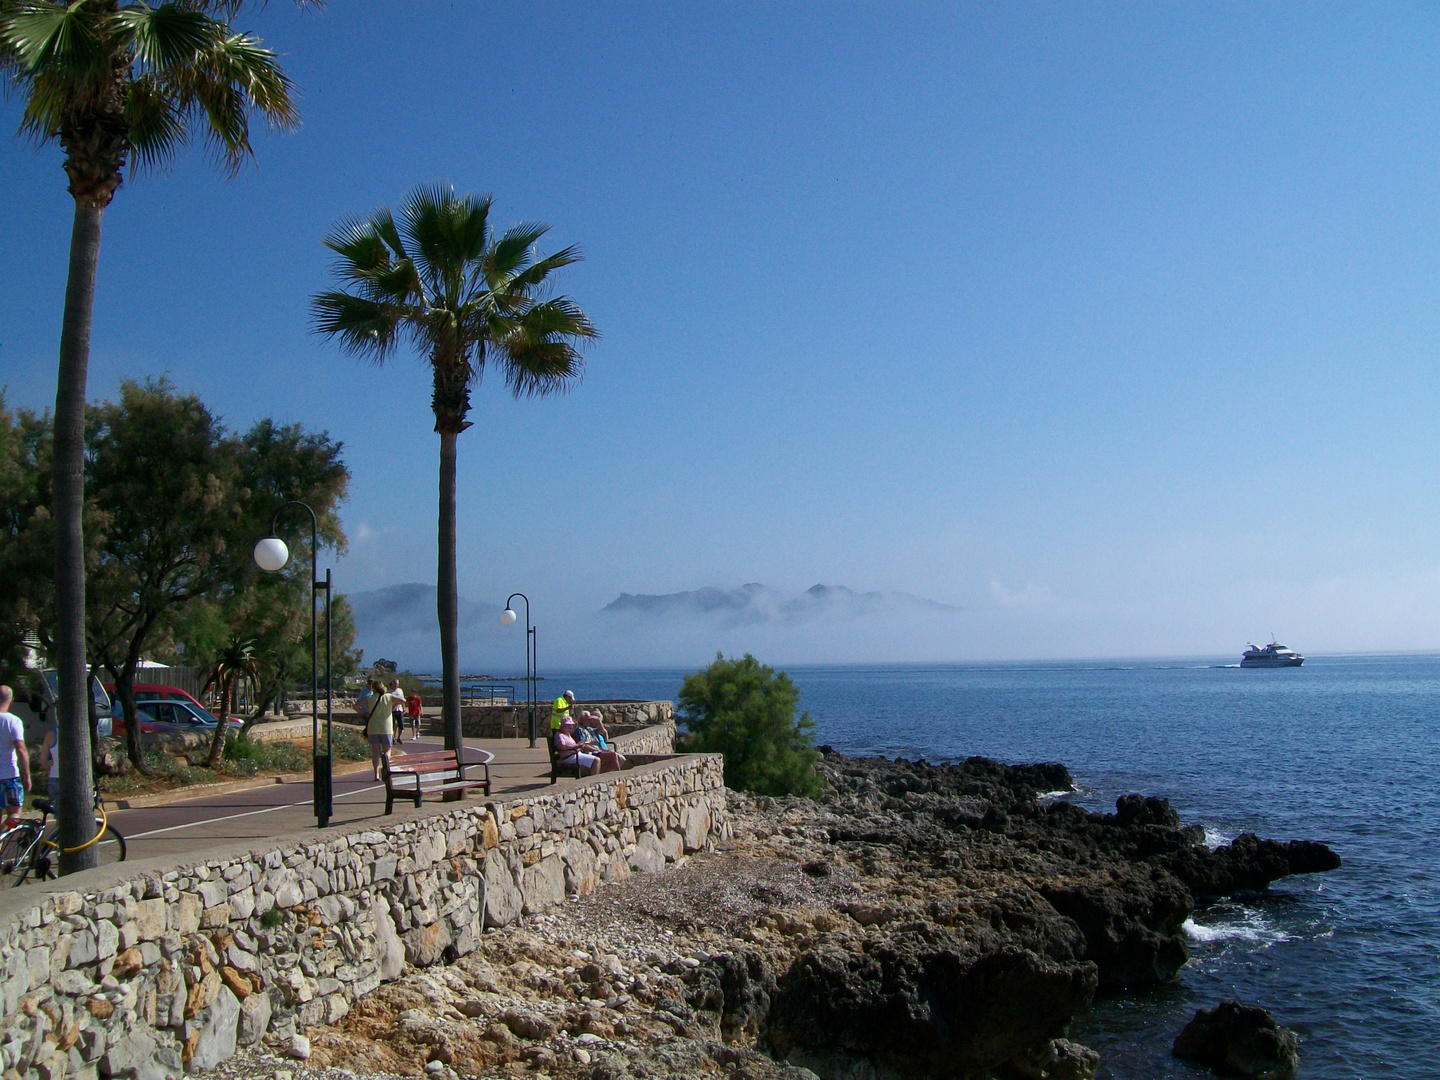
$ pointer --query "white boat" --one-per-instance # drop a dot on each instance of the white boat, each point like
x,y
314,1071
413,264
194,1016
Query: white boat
x,y
1272,655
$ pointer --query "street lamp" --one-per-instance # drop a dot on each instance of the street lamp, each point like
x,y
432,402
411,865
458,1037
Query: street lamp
x,y
532,662
271,555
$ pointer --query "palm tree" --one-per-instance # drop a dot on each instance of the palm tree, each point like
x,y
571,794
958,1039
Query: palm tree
x,y
115,84
441,279
236,663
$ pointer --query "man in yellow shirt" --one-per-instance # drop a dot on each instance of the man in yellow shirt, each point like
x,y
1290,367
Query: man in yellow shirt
x,y
560,711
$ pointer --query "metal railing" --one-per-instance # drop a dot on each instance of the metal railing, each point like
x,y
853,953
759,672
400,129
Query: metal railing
x,y
487,694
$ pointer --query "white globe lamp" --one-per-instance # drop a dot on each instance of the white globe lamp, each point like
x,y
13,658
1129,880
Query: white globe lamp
x,y
271,554
507,617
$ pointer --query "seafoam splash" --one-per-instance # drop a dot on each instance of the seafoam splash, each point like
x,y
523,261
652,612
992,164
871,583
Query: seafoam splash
x,y
1227,923
1215,838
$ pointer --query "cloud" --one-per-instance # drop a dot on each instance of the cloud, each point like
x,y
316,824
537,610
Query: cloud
x,y
399,623
754,604
1030,596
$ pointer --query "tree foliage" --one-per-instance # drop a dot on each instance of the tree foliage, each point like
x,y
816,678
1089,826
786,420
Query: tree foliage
x,y
174,505
746,711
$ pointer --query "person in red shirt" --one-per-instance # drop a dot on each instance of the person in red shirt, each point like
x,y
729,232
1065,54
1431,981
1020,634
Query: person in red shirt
x,y
412,705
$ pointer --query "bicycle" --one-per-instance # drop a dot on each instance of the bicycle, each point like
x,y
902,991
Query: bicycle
x,y
27,847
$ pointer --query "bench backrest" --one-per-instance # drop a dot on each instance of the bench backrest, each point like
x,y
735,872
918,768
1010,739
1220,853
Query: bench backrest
x,y
440,761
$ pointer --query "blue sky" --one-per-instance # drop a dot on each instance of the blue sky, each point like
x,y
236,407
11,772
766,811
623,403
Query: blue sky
x,y
1114,326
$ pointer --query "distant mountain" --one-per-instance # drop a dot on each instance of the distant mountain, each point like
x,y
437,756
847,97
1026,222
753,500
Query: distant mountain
x,y
753,603
399,623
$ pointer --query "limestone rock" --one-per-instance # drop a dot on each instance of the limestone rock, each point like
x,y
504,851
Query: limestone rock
x,y
219,1032
528,1025
961,1012
426,945
298,1047
695,826
389,953
542,885
1240,1040
254,1019
502,899
648,857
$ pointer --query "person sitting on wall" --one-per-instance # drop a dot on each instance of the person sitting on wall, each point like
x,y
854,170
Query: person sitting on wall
x,y
567,750
590,731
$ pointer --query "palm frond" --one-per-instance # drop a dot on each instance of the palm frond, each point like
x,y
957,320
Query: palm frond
x,y
229,77
61,39
363,252
384,223
541,346
513,250
167,38
363,327
157,128
57,55
424,222
535,274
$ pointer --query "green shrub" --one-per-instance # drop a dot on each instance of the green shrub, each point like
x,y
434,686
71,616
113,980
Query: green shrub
x,y
348,746
278,756
746,711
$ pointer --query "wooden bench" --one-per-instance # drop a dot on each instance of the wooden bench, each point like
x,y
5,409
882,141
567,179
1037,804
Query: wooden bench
x,y
440,771
557,769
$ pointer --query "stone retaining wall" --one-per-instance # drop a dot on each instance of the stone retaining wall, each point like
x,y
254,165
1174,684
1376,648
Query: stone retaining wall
x,y
652,739
154,969
502,721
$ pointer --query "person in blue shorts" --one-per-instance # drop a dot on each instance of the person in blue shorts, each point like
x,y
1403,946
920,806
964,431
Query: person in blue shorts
x,y
14,760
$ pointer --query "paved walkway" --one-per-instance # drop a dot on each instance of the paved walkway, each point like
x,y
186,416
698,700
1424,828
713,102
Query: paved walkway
x,y
273,810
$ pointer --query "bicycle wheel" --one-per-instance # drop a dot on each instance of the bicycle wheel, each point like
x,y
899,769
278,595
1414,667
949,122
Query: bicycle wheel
x,y
111,844
20,847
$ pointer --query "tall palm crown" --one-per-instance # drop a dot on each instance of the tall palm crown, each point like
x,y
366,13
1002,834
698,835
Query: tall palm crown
x,y
464,296
112,81
115,84
443,280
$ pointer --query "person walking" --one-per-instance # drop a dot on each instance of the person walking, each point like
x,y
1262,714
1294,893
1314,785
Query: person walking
x,y
14,760
397,713
413,704
380,726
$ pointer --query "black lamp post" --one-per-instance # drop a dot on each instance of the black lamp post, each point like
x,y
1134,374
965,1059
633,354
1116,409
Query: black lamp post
x,y
271,555
532,662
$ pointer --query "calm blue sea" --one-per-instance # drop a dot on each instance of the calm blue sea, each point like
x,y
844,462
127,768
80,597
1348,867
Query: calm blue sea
x,y
1344,750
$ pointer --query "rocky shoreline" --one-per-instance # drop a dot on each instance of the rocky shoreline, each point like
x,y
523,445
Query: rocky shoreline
x,y
920,920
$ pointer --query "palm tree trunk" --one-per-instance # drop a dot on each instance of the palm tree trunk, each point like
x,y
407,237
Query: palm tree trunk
x,y
447,600
77,819
217,741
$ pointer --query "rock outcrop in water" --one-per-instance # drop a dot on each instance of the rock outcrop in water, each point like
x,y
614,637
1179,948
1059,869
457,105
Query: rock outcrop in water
x,y
920,920
1240,1040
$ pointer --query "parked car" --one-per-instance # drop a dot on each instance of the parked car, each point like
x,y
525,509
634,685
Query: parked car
x,y
148,724
180,714
161,692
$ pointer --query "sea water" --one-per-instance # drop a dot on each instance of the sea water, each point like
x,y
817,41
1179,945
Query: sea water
x,y
1344,750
